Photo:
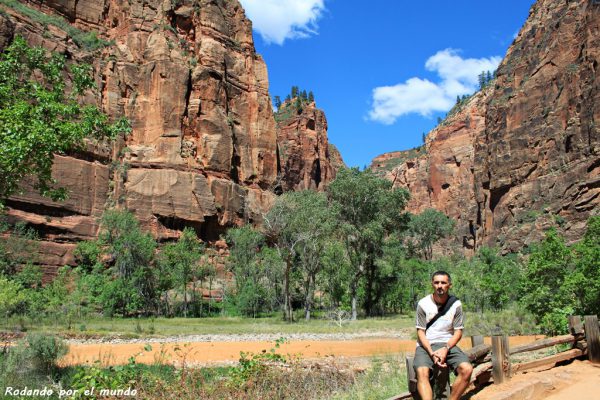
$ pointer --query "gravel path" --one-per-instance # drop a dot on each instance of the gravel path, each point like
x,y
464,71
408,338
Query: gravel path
x,y
249,337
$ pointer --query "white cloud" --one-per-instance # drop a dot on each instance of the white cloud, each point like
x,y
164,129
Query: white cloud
x,y
458,76
278,20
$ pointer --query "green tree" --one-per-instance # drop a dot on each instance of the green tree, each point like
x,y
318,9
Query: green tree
x,y
295,91
543,289
277,102
11,295
131,251
252,267
39,117
584,282
311,97
370,210
182,260
427,228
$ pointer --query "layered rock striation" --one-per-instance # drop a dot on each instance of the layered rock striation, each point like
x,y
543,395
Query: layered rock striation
x,y
305,159
203,151
522,155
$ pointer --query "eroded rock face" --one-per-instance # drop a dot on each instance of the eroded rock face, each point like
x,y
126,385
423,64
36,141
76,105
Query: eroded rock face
x,y
203,149
538,161
439,174
523,155
305,158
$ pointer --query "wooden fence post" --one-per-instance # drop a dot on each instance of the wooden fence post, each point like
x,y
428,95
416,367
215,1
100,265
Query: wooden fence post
x,y
500,360
476,340
411,375
575,325
592,337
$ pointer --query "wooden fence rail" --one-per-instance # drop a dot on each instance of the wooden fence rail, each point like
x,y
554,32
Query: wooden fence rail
x,y
493,362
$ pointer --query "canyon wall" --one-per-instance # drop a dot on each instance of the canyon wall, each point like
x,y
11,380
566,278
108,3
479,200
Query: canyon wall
x,y
522,155
203,150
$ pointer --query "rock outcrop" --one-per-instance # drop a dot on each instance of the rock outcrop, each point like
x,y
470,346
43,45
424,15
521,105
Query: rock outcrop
x,y
203,148
523,155
305,158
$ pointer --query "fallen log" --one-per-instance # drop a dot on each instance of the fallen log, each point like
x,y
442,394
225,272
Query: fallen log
x,y
542,343
478,351
480,371
548,361
402,396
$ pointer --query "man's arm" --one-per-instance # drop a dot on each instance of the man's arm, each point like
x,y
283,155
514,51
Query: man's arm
x,y
442,353
424,341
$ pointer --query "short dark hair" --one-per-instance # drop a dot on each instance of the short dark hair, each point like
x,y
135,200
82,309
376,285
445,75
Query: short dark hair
x,y
444,273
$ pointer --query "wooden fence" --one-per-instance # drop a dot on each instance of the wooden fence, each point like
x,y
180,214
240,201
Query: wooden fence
x,y
493,362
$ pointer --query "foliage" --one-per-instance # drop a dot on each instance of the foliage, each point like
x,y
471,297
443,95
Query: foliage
x,y
133,286
85,40
46,350
11,295
39,118
511,321
369,212
256,270
251,365
427,228
181,259
299,226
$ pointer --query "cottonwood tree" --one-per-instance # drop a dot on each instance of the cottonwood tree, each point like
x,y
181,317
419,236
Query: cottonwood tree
x,y
427,228
40,117
370,210
133,285
182,260
297,227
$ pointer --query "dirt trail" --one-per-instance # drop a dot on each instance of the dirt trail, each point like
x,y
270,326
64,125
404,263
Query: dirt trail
x,y
218,352
579,380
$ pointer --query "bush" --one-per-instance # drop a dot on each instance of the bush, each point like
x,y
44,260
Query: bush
x,y
514,321
46,350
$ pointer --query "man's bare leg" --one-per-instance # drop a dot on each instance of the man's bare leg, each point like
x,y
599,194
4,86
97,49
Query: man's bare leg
x,y
462,380
423,386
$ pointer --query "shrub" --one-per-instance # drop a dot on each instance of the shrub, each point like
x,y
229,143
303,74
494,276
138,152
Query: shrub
x,y
46,350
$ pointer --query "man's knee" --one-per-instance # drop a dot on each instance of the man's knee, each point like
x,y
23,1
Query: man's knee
x,y
465,370
423,373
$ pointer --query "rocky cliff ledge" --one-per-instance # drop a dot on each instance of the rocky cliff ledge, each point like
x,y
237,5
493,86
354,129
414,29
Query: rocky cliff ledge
x,y
203,151
524,154
306,160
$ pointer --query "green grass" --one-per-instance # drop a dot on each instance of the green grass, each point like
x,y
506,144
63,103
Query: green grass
x,y
385,378
86,40
146,327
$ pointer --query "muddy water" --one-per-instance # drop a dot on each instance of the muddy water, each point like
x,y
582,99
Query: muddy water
x,y
223,352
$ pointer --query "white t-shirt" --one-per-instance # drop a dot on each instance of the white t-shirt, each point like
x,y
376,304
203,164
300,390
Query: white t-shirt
x,y
442,330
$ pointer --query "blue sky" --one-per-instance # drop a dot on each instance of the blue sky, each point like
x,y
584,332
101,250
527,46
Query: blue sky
x,y
384,70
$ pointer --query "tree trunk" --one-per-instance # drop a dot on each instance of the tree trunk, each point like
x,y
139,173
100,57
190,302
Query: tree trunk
x,y
287,302
308,296
354,294
184,302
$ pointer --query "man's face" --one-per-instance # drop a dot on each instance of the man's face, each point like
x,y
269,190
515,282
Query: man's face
x,y
440,284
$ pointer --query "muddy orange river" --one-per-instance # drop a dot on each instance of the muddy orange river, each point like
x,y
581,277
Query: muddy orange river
x,y
225,352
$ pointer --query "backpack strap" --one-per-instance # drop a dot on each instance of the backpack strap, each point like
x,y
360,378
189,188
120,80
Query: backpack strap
x,y
445,308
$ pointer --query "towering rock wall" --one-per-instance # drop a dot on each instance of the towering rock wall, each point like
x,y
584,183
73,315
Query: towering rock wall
x,y
305,158
538,160
203,149
522,155
439,174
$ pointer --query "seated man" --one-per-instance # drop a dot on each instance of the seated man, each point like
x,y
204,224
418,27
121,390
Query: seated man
x,y
439,329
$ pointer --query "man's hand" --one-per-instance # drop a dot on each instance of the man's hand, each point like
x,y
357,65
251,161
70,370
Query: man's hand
x,y
439,357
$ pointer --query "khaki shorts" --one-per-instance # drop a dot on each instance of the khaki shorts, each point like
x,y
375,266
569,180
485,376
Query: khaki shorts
x,y
454,359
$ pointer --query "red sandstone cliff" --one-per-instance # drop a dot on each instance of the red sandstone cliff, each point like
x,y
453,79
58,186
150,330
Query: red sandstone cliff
x,y
523,155
305,158
203,150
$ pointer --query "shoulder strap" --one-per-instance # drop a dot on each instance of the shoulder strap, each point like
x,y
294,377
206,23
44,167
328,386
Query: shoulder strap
x,y
451,300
